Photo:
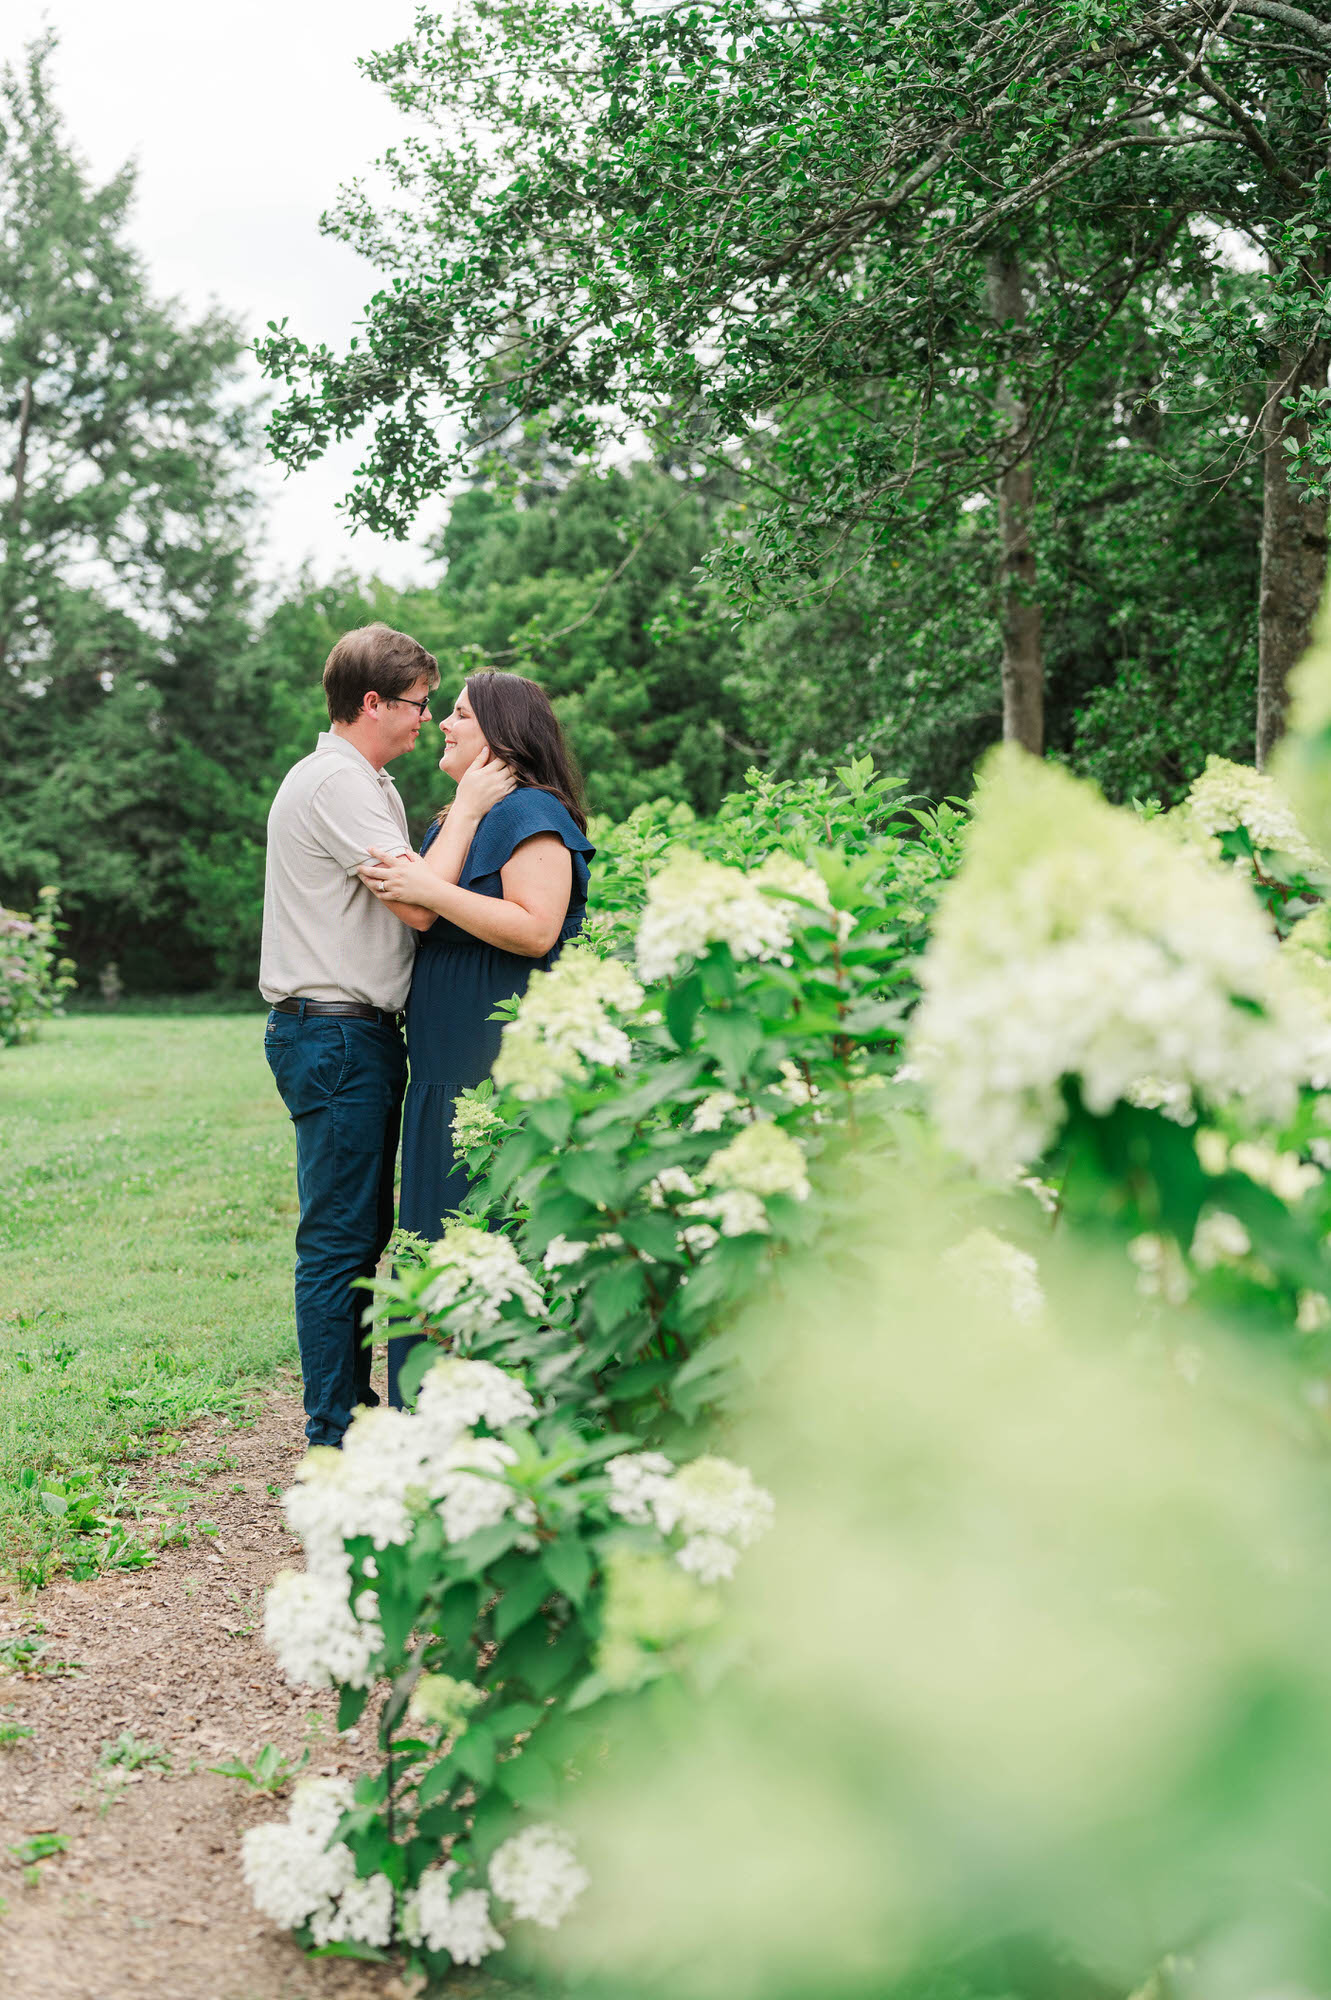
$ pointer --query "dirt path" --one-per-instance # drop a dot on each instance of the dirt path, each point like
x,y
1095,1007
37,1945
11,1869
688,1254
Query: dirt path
x,y
147,1899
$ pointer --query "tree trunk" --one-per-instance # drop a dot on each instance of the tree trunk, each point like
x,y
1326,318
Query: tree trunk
x,y
18,501
1293,547
1020,616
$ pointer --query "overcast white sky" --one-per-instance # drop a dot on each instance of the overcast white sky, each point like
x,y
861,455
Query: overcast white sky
x,y
244,118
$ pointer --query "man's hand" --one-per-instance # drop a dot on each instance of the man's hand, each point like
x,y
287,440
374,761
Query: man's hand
x,y
486,780
398,878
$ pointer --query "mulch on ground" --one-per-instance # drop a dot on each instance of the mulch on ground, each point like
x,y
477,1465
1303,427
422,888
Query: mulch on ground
x,y
148,1897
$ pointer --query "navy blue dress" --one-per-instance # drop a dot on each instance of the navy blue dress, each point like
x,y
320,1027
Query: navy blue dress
x,y
457,983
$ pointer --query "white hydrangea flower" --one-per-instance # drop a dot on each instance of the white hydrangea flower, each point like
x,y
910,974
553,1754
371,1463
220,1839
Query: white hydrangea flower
x,y
1172,1100
709,1558
562,1250
1227,796
711,1114
761,1159
1078,941
316,1634
670,1180
458,1393
479,1271
1314,1312
538,1873
736,1212
467,1498
692,903
1161,1272
698,1237
360,1490
794,1086
459,1925
289,1868
1219,1238
1284,1173
636,1478
363,1914
994,1269
456,1925
475,1121
562,1025
712,1496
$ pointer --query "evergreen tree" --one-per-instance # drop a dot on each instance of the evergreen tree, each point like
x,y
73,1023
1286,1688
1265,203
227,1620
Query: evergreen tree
x,y
125,692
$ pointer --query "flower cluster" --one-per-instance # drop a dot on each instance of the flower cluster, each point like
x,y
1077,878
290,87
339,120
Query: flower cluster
x,y
393,1465
991,1269
564,1023
692,903
296,1871
763,1160
538,1874
712,1111
475,1121
715,1507
479,1272
1108,954
1227,796
301,1875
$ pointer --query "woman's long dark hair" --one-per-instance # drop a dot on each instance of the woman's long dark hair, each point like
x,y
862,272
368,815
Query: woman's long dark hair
x,y
520,726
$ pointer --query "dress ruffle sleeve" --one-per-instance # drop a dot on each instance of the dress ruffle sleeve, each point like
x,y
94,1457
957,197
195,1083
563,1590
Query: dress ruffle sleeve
x,y
523,813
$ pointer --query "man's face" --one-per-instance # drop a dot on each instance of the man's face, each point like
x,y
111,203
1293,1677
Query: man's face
x,y
399,723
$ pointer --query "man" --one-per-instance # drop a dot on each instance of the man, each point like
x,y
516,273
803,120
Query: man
x,y
335,966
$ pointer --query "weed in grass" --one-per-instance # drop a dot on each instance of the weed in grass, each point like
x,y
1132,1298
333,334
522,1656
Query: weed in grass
x,y
38,1847
12,1733
26,1653
271,1769
128,1753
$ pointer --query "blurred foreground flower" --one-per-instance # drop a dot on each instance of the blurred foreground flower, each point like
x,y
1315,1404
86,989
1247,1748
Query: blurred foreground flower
x,y
1081,944
1035,1651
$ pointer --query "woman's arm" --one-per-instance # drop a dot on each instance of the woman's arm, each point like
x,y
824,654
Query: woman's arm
x,y
485,781
526,920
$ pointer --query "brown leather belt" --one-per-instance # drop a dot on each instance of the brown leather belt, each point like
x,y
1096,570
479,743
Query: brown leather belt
x,y
350,1010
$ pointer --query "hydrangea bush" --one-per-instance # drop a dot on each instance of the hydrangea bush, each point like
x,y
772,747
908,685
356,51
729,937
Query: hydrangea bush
x,y
34,978
1101,1030
550,1529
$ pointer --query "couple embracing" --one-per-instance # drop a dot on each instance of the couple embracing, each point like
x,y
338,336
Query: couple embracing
x,y
362,938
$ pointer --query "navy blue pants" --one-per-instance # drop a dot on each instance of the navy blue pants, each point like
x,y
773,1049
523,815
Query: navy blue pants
x,y
342,1081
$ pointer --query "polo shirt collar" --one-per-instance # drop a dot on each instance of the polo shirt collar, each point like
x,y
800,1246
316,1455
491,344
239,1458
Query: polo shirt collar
x,y
341,748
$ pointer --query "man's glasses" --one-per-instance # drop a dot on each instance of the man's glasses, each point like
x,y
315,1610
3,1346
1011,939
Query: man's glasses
x,y
419,706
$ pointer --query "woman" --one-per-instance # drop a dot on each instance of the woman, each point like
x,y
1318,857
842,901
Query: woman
x,y
492,899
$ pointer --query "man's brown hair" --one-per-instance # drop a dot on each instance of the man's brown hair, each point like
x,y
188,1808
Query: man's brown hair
x,y
374,659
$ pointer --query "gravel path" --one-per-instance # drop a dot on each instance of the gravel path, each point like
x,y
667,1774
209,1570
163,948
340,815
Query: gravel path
x,y
147,1899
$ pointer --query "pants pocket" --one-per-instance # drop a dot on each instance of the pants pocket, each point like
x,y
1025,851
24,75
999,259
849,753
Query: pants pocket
x,y
309,1066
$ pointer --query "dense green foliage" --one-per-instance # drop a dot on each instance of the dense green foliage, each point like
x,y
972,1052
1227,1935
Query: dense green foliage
x,y
148,711
33,976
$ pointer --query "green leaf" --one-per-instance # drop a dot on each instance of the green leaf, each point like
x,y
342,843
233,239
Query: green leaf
x,y
568,1564
733,1038
617,1295
351,1706
593,1175
474,1753
552,1117
437,1782
682,1003
521,1601
527,1780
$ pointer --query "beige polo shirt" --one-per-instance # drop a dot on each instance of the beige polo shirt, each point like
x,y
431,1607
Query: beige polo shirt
x,y
325,935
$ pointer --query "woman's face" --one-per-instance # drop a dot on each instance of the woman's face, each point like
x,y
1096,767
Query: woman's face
x,y
463,741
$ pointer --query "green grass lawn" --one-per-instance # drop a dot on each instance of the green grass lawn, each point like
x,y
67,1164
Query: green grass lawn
x,y
147,1210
